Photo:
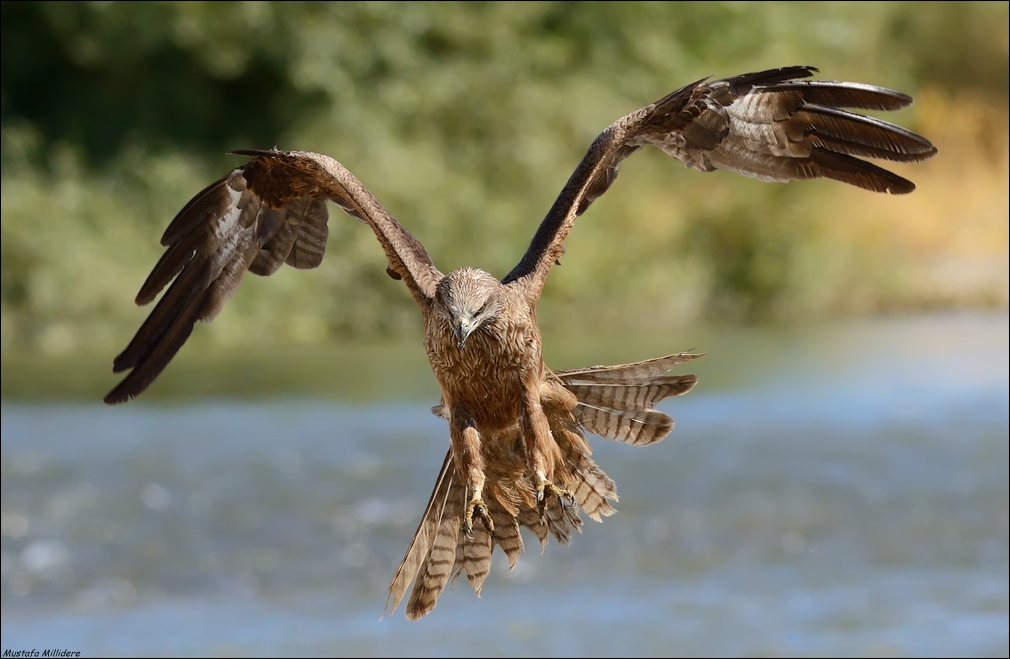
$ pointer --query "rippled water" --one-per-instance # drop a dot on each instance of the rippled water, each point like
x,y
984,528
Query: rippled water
x,y
850,496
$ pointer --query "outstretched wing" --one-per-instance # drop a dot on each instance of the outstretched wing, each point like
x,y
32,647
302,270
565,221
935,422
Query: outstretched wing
x,y
767,125
269,212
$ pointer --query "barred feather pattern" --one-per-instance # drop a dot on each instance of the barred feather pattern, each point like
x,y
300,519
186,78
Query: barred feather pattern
x,y
442,550
506,534
520,426
442,547
434,571
591,487
581,476
617,402
473,556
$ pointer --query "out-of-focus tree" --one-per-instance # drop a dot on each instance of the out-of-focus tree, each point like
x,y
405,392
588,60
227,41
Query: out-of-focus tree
x,y
463,118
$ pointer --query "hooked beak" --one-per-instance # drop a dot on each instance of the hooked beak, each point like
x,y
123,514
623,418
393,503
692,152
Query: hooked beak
x,y
462,328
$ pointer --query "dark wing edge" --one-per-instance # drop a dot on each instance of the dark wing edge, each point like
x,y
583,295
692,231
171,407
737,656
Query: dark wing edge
x,y
269,212
768,125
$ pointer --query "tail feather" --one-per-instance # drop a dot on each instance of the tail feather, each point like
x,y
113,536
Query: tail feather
x,y
438,564
474,554
531,520
586,481
592,488
506,534
442,548
613,401
558,520
423,539
562,519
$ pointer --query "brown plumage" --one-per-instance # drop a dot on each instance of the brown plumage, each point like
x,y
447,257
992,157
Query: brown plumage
x,y
518,455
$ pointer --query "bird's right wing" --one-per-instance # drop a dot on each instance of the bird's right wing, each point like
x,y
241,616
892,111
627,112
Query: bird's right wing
x,y
269,212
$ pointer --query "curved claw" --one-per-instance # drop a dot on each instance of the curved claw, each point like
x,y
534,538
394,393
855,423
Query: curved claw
x,y
566,496
477,505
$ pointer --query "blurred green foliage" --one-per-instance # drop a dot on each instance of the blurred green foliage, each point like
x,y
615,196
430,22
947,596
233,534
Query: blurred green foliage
x,y
464,119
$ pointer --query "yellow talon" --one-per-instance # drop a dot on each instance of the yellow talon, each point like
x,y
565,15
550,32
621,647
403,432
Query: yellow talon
x,y
565,496
477,505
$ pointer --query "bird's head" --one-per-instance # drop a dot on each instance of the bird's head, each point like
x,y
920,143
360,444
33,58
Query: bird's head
x,y
466,299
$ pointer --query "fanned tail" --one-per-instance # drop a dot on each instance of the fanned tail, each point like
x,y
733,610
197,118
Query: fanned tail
x,y
613,401
442,548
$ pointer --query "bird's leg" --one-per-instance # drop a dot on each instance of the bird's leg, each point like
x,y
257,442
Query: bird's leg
x,y
470,466
541,449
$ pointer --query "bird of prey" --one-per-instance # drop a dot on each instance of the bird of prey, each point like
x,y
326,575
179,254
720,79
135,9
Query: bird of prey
x,y
518,455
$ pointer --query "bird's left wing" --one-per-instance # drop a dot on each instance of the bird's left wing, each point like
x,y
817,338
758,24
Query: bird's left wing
x,y
768,125
269,212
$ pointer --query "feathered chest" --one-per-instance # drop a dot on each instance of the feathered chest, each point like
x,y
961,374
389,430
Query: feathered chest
x,y
486,376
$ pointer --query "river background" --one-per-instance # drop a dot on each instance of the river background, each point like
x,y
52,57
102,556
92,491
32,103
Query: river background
x,y
839,488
